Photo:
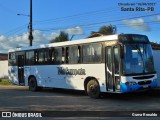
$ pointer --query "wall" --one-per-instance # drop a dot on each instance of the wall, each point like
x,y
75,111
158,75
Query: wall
x,y
156,55
3,68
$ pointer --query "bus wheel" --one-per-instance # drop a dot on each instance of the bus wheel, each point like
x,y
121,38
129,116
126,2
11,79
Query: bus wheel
x,y
33,84
93,89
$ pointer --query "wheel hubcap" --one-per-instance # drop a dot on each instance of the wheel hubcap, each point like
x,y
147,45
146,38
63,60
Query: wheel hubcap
x,y
93,88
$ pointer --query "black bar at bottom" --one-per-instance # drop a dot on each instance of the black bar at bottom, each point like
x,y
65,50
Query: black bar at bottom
x,y
80,114
101,114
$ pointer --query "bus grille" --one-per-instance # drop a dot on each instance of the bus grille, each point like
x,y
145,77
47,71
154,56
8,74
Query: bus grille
x,y
143,77
144,82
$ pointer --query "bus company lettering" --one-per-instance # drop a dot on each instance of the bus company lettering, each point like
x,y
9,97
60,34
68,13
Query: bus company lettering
x,y
66,71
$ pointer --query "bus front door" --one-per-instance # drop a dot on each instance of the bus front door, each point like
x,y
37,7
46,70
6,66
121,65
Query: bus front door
x,y
112,68
21,69
116,67
109,70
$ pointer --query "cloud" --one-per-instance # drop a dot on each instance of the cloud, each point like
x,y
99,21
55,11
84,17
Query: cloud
x,y
156,19
74,31
7,43
138,24
2,37
39,37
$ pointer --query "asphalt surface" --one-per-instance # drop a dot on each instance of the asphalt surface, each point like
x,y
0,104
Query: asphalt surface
x,y
50,101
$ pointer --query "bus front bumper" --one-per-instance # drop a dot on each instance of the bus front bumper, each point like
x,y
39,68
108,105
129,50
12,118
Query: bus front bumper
x,y
135,88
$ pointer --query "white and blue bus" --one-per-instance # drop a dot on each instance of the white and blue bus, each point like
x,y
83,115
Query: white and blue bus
x,y
115,63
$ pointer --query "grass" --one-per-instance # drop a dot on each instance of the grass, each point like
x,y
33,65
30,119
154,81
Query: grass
x,y
5,82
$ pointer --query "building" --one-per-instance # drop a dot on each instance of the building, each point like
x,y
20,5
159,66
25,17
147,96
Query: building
x,y
3,65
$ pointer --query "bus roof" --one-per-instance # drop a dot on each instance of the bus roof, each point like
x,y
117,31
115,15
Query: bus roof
x,y
67,43
122,38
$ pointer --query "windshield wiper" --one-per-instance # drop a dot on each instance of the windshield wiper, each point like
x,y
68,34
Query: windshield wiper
x,y
140,53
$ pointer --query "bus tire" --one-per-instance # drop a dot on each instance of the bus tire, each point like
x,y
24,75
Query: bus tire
x,y
93,89
33,84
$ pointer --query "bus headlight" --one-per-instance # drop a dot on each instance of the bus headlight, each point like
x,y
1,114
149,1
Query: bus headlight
x,y
130,83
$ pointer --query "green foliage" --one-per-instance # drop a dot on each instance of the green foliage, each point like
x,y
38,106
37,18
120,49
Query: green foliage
x,y
61,38
5,82
106,30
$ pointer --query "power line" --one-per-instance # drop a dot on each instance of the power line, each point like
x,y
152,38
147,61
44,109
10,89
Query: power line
x,y
90,13
72,16
84,16
82,25
16,29
90,24
104,11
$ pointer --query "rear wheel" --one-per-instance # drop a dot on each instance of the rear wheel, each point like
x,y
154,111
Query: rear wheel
x,y
93,89
33,84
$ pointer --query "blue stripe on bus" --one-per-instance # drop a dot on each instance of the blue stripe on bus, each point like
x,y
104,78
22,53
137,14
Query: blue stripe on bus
x,y
132,88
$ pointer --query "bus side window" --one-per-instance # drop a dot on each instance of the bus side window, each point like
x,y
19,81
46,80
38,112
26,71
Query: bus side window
x,y
63,55
73,55
67,55
12,59
58,55
52,55
41,56
36,57
46,56
97,52
92,53
29,58
79,54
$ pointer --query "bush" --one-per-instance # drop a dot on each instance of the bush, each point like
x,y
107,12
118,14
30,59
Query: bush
x,y
5,82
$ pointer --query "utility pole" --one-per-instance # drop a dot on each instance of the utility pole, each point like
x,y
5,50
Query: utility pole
x,y
30,25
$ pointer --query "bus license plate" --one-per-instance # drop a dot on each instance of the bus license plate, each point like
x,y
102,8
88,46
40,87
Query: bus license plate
x,y
145,86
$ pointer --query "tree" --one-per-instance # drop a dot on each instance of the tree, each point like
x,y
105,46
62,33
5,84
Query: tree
x,y
107,30
62,37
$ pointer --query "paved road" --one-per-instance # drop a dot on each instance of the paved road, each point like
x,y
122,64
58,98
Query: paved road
x,y
18,98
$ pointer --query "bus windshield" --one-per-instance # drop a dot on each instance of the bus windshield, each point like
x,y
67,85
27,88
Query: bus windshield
x,y
138,59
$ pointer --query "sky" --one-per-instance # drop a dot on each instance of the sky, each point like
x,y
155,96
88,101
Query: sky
x,y
76,17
